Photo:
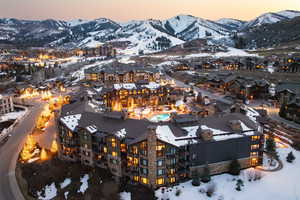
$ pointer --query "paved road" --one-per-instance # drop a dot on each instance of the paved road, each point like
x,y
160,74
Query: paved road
x,y
9,152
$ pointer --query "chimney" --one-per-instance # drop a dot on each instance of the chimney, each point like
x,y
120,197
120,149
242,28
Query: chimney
x,y
235,125
206,134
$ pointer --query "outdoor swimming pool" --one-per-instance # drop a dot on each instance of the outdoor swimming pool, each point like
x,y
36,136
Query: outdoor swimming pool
x,y
160,117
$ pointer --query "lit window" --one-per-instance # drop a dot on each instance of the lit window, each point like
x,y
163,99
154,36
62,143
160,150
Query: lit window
x,y
254,154
123,147
172,171
114,154
254,161
85,146
255,137
144,180
134,150
172,180
160,147
160,181
135,161
113,144
104,149
70,134
254,146
136,178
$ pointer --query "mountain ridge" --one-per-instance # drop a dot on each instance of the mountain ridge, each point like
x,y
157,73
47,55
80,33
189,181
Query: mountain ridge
x,y
89,33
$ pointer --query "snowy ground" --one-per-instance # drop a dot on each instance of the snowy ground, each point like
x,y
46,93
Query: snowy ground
x,y
50,191
231,52
12,115
280,185
126,60
125,196
84,183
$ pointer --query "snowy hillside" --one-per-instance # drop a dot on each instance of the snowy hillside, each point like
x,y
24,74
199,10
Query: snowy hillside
x,y
289,13
269,18
76,22
188,27
141,34
232,24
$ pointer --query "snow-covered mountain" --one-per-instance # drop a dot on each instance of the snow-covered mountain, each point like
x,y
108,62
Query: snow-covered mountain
x,y
270,18
143,35
188,27
146,35
289,13
231,24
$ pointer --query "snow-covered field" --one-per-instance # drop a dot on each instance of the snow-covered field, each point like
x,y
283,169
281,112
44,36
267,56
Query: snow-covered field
x,y
50,191
231,52
12,115
280,185
126,60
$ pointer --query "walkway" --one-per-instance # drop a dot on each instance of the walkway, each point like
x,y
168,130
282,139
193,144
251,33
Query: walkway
x,y
278,168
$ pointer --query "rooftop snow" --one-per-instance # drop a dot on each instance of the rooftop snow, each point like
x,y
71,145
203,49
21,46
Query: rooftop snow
x,y
71,121
246,128
121,133
217,134
152,85
92,129
165,134
128,86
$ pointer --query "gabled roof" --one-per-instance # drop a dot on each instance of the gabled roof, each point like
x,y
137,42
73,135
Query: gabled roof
x,y
288,86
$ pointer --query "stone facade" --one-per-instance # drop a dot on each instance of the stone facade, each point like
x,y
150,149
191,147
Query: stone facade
x,y
6,104
152,156
219,168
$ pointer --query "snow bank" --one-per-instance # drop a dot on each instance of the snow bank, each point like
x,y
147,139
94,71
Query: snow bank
x,y
66,182
84,183
11,116
232,52
50,192
125,196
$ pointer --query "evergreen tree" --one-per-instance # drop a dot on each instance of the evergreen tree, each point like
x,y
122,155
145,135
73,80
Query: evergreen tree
x,y
205,178
235,168
239,184
270,145
290,157
282,111
195,180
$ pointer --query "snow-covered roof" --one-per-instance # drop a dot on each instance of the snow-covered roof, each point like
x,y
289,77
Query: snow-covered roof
x,y
164,133
152,85
179,103
121,133
128,86
71,121
217,134
246,128
92,128
252,114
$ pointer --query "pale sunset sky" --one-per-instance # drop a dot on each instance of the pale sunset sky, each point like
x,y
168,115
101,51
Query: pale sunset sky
x,y
125,10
